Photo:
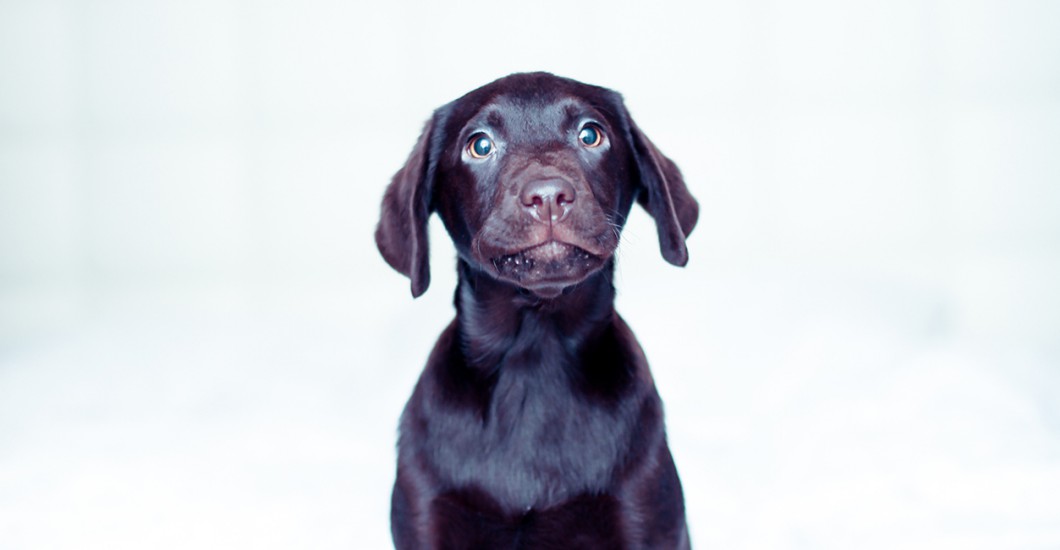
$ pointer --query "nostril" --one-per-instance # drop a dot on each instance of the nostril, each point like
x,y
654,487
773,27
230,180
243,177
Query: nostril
x,y
539,193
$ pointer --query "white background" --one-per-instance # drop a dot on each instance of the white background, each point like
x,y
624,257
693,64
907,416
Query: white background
x,y
201,348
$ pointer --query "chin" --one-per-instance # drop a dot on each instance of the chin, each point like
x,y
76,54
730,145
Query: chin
x,y
547,268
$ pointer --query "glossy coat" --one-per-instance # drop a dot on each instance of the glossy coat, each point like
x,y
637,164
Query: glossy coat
x,y
536,423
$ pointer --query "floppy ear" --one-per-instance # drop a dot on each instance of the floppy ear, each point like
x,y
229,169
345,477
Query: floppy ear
x,y
664,195
402,231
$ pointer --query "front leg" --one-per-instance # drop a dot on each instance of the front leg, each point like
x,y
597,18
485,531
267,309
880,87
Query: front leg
x,y
410,502
403,518
653,503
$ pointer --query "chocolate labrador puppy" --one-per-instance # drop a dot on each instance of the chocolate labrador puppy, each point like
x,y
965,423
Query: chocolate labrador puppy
x,y
536,423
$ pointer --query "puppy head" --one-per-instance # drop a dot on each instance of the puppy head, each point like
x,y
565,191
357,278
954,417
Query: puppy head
x,y
533,176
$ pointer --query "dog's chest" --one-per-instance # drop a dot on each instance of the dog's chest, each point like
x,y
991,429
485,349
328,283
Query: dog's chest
x,y
538,444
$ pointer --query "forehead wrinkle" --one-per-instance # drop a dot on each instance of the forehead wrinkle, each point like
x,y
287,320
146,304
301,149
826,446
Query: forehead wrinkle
x,y
561,111
538,120
533,119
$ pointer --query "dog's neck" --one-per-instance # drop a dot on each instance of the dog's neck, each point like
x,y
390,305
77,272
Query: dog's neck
x,y
497,318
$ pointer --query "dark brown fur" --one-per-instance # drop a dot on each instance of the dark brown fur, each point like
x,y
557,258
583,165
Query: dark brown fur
x,y
536,423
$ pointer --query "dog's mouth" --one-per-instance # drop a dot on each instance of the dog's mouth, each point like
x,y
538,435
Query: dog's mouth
x,y
547,264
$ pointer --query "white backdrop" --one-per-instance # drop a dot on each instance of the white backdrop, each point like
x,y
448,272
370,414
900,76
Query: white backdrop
x,y
201,348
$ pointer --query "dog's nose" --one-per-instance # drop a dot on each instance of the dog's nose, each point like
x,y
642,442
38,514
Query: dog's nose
x,y
548,201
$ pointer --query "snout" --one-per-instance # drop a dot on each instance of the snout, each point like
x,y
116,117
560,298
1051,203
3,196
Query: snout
x,y
547,228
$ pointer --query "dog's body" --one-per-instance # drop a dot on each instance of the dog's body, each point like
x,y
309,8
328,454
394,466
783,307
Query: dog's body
x,y
536,423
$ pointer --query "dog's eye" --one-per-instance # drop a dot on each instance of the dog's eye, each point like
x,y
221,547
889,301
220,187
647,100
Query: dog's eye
x,y
591,135
480,146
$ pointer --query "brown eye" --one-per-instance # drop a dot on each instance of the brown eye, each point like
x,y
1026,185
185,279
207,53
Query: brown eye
x,y
480,146
591,135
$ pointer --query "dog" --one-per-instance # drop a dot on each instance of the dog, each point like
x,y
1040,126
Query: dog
x,y
536,423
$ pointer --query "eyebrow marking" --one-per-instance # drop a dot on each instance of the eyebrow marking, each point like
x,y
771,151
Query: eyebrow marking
x,y
494,118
